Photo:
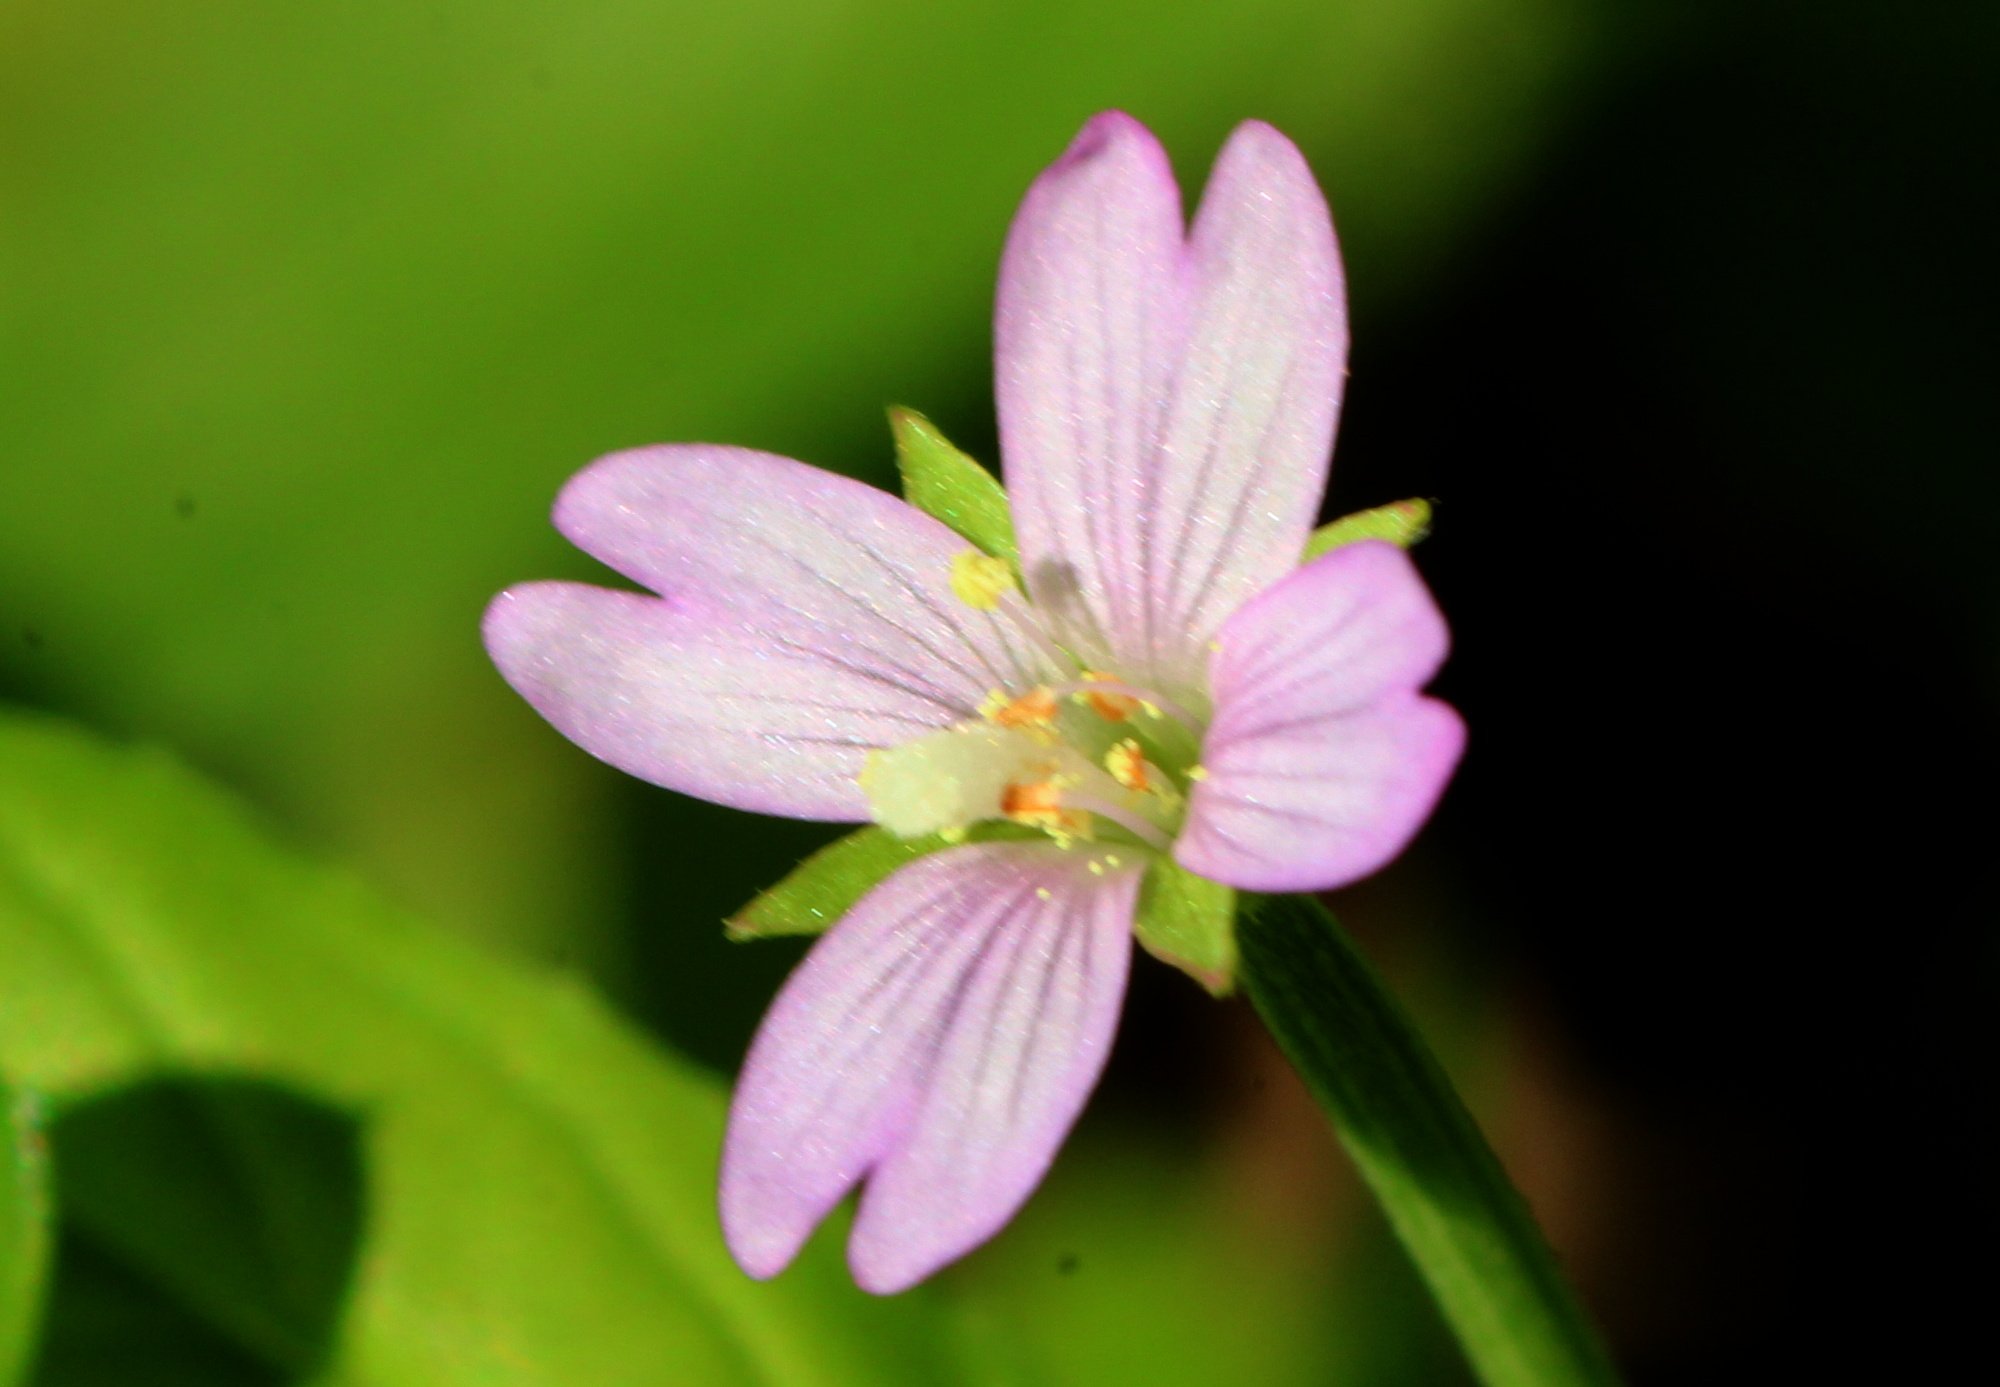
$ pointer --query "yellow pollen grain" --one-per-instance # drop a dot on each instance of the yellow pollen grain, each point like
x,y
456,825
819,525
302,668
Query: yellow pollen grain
x,y
1096,867
1197,772
1042,893
1127,765
980,580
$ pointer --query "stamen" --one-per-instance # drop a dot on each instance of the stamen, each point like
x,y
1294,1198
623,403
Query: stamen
x,y
1035,708
1113,699
1127,764
1129,767
989,584
1039,804
1142,829
1112,707
980,580
951,778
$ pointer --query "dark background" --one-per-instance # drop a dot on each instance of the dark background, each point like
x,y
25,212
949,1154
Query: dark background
x,y
1711,417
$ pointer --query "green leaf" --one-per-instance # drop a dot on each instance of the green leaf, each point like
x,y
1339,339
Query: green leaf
x,y
539,1180
1464,1225
1189,922
104,1315
231,1203
24,1228
941,481
1402,523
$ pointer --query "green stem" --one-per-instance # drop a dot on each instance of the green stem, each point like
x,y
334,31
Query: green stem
x,y
1463,1223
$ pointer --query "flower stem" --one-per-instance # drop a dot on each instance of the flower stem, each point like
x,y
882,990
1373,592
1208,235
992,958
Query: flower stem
x,y
1464,1225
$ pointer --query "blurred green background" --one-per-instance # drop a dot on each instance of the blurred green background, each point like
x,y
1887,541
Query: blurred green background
x,y
1683,313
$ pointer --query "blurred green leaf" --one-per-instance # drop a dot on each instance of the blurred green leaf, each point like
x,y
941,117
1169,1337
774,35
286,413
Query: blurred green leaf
x,y
24,1228
1462,1222
237,1202
1190,922
1402,523
539,1182
943,482
110,1324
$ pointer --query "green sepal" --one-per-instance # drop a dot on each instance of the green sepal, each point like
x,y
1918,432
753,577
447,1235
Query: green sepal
x,y
816,893
1402,523
1190,922
943,482
825,886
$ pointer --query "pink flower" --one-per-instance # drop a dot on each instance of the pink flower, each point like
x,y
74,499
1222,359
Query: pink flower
x,y
1164,682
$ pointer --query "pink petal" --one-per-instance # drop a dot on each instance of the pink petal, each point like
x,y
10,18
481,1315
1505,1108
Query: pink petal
x,y
1167,407
832,565
1088,326
1322,760
944,1035
806,619
679,694
1246,445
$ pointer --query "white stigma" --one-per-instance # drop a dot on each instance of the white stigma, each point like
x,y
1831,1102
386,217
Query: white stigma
x,y
947,781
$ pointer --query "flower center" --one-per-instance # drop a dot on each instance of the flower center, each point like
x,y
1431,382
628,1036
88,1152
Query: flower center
x,y
1089,758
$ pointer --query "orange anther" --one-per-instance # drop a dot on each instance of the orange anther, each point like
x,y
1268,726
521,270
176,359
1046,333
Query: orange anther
x,y
1127,765
1112,707
1035,708
1032,802
1038,804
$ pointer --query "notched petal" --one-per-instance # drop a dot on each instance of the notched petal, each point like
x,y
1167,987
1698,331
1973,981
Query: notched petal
x,y
809,557
939,1042
1088,327
1249,430
685,697
1167,399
